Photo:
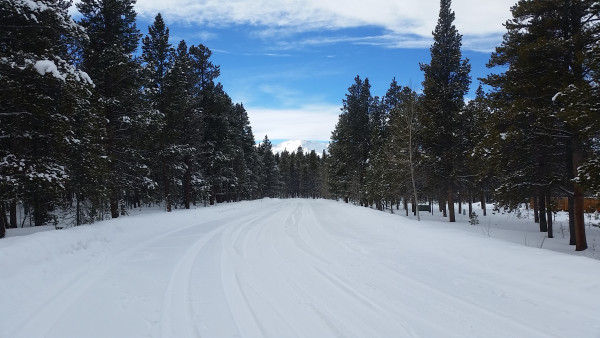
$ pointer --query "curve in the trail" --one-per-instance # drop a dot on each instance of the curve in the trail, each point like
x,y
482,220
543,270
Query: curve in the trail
x,y
286,268
177,318
66,293
50,314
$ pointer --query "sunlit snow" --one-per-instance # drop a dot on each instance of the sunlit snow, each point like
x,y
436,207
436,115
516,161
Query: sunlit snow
x,y
294,268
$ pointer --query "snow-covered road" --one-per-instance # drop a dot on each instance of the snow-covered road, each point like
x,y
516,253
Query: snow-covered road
x,y
289,268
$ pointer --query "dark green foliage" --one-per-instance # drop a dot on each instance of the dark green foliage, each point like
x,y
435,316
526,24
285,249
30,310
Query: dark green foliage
x,y
183,111
545,103
108,59
350,144
126,131
402,148
301,175
446,82
245,158
268,179
43,95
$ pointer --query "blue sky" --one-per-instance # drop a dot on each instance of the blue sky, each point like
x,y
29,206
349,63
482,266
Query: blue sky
x,y
290,62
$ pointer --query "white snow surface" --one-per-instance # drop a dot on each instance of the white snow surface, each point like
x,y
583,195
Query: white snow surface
x,y
290,268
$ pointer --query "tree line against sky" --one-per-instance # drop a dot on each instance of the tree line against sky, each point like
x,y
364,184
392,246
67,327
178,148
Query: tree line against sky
x,y
90,129
535,134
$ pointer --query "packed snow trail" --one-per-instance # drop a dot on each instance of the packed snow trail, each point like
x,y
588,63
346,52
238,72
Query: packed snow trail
x,y
289,268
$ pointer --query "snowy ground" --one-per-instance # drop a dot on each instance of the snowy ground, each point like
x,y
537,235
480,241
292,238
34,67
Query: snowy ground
x,y
519,227
285,268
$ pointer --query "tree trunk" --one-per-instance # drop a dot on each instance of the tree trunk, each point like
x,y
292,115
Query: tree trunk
x,y
3,220
39,212
166,190
579,222
187,184
444,209
77,211
578,200
13,214
470,204
406,206
452,216
459,204
549,215
536,210
114,206
482,199
542,208
572,240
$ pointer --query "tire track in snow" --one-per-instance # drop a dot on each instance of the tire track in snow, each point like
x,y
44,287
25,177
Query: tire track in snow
x,y
177,317
176,313
437,298
329,272
298,287
247,300
62,296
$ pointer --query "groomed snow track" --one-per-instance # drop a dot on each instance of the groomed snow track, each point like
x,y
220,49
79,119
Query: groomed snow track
x,y
289,268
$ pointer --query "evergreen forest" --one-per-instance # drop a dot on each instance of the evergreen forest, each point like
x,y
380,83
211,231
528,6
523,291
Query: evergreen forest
x,y
98,118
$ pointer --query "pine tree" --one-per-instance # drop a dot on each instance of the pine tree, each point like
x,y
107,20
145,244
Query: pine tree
x,y
217,145
300,178
446,82
546,93
245,160
478,164
108,57
313,181
42,94
323,176
285,170
269,175
86,165
375,184
350,144
402,151
162,143
183,106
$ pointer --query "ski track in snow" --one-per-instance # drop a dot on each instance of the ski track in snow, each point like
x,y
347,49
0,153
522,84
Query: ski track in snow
x,y
300,268
64,295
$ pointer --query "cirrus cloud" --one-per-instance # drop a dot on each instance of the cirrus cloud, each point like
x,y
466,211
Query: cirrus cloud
x,y
400,17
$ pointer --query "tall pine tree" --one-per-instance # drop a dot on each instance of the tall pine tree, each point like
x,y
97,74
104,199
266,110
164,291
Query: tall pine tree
x,y
446,82
350,144
108,57
157,55
43,94
547,95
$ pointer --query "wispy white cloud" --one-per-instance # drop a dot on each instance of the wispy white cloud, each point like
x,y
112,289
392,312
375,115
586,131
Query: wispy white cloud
x,y
206,35
389,40
477,22
311,122
284,96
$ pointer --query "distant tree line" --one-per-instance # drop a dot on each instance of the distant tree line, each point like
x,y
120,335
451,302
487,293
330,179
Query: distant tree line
x,y
89,129
534,135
